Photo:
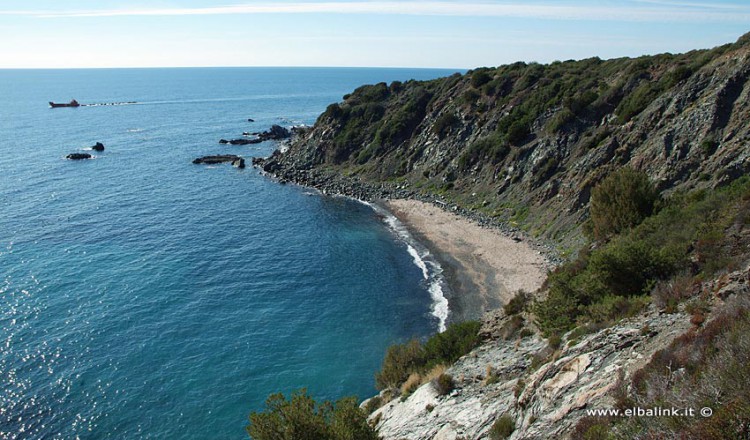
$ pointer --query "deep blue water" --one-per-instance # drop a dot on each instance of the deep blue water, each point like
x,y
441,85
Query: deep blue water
x,y
142,296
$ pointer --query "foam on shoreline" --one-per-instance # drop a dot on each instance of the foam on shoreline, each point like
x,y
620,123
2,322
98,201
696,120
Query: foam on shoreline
x,y
432,272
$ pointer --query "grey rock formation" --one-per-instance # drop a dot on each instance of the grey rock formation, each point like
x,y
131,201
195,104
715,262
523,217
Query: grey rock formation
x,y
546,400
236,161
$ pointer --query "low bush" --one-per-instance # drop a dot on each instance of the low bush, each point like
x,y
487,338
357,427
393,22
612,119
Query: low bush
x,y
403,360
444,124
443,384
302,418
492,149
502,428
620,201
517,304
400,361
554,341
480,77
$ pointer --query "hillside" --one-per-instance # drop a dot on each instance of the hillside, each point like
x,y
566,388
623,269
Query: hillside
x,y
636,169
523,144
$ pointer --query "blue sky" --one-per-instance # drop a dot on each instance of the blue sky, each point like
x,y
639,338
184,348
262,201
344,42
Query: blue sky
x,y
412,33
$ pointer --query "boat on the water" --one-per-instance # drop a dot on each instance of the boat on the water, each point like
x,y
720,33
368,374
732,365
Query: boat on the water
x,y
72,103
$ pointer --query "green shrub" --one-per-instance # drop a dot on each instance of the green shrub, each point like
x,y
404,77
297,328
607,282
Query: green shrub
x,y
612,281
403,360
517,304
399,362
470,97
638,100
457,340
559,120
518,132
373,404
400,124
502,428
301,418
620,201
492,149
479,78
612,308
555,341
709,146
627,267
444,124
443,384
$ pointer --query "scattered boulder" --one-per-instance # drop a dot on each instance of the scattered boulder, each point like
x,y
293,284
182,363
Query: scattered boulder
x,y
236,161
78,156
98,147
275,133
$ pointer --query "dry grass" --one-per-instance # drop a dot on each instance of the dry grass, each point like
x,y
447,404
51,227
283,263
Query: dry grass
x,y
434,373
411,384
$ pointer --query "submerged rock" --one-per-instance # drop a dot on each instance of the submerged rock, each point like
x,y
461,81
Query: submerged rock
x,y
78,156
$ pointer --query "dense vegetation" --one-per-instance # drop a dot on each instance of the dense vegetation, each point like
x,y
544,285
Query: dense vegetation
x,y
301,418
687,239
413,357
375,119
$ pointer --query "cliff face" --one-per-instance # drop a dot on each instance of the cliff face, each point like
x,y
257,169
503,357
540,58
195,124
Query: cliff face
x,y
525,143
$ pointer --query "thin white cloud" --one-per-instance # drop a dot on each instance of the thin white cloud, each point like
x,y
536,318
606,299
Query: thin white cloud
x,y
684,4
656,11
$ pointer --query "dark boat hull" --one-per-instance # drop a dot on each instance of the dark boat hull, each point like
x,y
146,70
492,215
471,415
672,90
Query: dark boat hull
x,y
69,104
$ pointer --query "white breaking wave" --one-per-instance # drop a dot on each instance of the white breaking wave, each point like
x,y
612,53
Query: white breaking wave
x,y
431,269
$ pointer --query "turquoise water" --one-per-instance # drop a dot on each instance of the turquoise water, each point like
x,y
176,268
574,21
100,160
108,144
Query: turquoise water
x,y
142,296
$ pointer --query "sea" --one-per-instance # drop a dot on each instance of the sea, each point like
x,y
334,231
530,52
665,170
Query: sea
x,y
145,297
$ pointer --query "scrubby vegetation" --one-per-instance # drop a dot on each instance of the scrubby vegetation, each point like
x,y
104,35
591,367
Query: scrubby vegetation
x,y
706,367
502,428
687,239
621,201
301,418
404,360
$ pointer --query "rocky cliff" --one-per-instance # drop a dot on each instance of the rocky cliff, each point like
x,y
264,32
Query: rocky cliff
x,y
523,144
543,391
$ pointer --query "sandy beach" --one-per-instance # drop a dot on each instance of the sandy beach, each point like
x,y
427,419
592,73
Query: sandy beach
x,y
484,268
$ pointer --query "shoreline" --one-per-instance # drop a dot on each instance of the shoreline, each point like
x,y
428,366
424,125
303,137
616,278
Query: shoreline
x,y
483,263
483,267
